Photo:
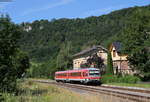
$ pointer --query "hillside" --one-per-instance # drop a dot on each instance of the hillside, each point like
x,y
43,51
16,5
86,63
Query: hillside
x,y
51,43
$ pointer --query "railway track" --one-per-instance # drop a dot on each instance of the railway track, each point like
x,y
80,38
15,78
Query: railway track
x,y
136,95
142,90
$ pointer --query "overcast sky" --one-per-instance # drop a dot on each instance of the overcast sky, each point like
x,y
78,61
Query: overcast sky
x,y
30,10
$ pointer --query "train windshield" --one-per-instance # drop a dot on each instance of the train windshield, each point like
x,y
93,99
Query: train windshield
x,y
94,73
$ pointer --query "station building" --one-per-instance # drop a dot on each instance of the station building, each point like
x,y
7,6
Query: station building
x,y
82,57
120,62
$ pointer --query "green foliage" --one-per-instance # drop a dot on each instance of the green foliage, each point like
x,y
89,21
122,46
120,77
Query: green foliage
x,y
119,79
136,40
64,59
109,79
40,92
44,40
13,62
50,40
140,60
94,59
109,69
128,79
1,97
36,70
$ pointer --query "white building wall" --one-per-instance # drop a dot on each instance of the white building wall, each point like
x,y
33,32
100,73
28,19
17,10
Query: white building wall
x,y
103,55
81,60
117,57
77,62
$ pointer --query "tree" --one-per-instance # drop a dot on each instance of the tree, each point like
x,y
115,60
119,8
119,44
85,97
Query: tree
x,y
140,61
64,59
109,69
13,62
96,60
136,41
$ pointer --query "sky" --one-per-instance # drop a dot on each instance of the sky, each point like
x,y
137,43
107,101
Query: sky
x,y
30,10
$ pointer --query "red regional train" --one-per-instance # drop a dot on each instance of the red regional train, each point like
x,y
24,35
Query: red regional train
x,y
81,75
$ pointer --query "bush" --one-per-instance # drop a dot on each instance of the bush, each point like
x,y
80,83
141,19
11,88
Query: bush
x,y
129,79
109,79
1,97
118,79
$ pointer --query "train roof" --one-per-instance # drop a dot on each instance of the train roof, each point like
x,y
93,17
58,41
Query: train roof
x,y
75,70
87,69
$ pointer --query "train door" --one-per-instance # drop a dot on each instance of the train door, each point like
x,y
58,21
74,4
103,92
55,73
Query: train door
x,y
67,78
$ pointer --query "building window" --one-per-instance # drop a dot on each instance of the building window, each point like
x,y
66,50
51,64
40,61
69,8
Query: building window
x,y
114,53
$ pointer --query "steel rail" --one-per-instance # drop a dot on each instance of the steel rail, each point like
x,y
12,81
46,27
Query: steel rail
x,y
128,89
126,94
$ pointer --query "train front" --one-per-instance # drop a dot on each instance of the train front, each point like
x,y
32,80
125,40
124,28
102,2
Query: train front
x,y
94,75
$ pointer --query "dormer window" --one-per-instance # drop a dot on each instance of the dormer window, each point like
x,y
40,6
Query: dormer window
x,y
114,53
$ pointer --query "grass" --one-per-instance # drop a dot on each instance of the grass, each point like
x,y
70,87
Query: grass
x,y
131,85
37,92
30,91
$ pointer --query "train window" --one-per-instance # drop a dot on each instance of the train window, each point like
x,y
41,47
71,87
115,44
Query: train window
x,y
94,73
76,74
61,74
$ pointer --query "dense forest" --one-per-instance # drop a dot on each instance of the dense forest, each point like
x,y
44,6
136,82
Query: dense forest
x,y
51,44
